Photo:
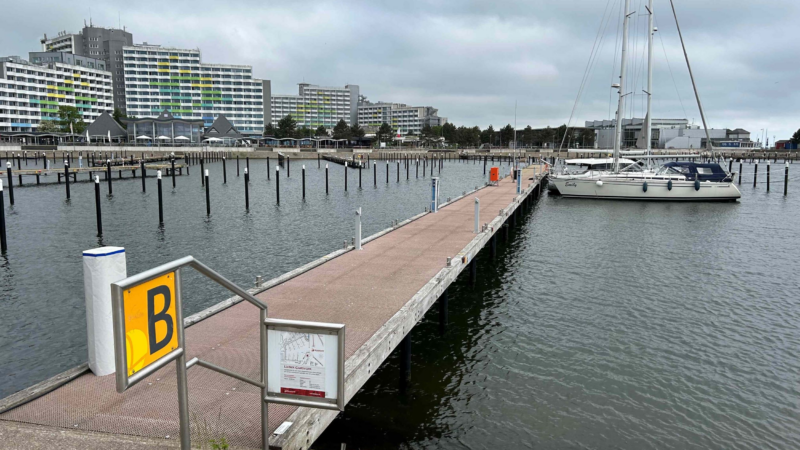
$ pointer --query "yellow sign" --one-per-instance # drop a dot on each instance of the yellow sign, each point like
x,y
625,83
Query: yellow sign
x,y
151,328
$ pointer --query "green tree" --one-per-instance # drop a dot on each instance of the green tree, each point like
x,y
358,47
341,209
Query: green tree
x,y
286,127
527,136
487,136
118,116
303,132
269,130
321,131
48,126
449,132
796,137
70,115
506,135
356,131
427,132
384,133
341,130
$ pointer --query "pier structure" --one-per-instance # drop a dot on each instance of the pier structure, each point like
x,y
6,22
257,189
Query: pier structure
x,y
379,288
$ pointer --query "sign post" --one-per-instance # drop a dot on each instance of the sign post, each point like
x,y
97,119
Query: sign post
x,y
302,363
435,194
305,364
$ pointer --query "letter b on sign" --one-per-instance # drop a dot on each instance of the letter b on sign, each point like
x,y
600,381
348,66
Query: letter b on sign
x,y
150,322
161,318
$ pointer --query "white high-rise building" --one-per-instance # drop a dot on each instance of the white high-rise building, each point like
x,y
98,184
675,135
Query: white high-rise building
x,y
316,106
402,118
158,78
32,93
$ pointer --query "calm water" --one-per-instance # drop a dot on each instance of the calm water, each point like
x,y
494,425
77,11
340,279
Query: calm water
x,y
43,321
603,325
609,325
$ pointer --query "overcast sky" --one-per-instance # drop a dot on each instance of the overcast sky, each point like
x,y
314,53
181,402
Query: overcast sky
x,y
474,59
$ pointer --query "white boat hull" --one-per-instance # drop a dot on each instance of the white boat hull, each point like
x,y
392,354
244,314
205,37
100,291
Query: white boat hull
x,y
633,189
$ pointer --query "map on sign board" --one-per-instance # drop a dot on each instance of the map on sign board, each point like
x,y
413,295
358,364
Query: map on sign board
x,y
302,364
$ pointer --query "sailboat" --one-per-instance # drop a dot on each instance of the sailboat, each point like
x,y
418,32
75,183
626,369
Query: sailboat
x,y
676,181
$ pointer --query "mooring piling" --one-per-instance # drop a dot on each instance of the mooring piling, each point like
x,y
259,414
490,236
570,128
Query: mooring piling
x,y
208,194
224,172
268,175
768,174
375,174
66,177
740,172
304,181
278,184
360,166
786,179
345,176
755,174
443,312
387,171
172,170
247,163
326,179
144,175
108,177
97,205
246,190
237,165
3,240
357,240
160,200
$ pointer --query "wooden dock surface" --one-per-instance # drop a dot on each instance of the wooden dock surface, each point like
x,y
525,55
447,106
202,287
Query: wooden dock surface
x,y
379,293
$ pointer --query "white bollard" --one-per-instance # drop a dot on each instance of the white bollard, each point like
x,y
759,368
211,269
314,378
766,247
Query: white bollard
x,y
477,215
358,229
101,267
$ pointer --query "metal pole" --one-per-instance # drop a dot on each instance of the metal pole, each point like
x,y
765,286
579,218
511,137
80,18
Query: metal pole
x,y
345,176
755,174
224,172
202,172
278,183
360,166
304,181
264,369
477,215
768,174
173,171
180,369
375,174
144,174
326,179
740,172
160,200
237,165
97,205
785,181
387,171
358,229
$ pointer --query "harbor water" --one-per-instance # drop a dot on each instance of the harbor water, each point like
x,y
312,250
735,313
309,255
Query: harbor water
x,y
609,325
601,324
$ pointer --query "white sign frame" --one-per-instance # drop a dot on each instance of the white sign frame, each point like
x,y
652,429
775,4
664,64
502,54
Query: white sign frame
x,y
336,331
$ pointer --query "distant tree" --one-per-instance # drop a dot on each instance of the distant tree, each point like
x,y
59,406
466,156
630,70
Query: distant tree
x,y
118,116
506,135
449,132
70,115
427,132
286,127
487,136
321,131
384,133
436,131
341,130
303,132
356,131
269,130
48,126
527,136
796,137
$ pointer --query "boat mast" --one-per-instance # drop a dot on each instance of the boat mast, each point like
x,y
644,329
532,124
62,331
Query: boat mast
x,y
648,118
694,85
623,68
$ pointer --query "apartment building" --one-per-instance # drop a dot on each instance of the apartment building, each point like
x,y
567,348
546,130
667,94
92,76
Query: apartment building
x,y
158,78
100,43
31,93
316,106
402,118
